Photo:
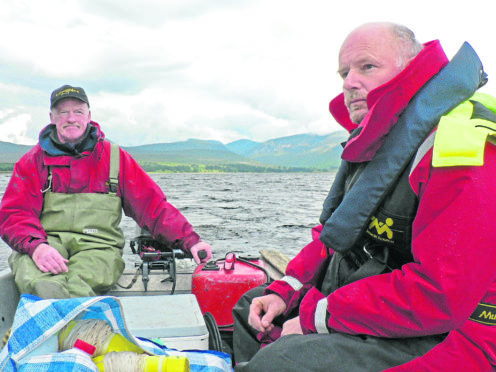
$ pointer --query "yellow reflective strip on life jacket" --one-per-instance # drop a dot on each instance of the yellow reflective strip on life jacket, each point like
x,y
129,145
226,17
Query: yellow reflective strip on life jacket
x,y
461,140
457,143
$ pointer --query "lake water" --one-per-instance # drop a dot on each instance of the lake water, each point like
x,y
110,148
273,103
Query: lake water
x,y
240,212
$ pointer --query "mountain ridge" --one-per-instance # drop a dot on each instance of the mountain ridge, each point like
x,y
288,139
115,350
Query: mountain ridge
x,y
297,152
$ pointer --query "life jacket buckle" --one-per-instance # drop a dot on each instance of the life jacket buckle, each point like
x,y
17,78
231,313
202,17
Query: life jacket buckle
x,y
369,255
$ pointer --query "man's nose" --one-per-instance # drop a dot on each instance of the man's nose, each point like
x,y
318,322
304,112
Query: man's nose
x,y
72,116
352,80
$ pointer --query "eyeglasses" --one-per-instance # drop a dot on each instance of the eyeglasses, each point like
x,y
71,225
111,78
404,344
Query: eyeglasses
x,y
67,113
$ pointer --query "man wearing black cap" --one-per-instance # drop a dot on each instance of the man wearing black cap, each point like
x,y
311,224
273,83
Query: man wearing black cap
x,y
64,101
62,208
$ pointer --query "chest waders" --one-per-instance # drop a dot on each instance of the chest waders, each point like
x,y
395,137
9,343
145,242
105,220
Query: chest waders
x,y
84,228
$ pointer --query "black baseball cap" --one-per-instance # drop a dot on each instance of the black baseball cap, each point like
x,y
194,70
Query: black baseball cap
x,y
67,91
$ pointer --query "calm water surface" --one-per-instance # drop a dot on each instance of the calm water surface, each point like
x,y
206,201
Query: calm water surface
x,y
241,212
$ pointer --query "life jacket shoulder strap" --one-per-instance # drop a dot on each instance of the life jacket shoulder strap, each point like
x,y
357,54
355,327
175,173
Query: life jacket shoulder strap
x,y
423,150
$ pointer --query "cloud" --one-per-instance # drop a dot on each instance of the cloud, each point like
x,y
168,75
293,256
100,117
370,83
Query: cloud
x,y
153,116
153,13
14,128
163,71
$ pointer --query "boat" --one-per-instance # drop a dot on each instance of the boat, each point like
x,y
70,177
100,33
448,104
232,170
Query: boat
x,y
195,302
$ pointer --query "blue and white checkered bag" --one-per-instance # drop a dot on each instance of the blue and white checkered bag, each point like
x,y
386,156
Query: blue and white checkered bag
x,y
32,345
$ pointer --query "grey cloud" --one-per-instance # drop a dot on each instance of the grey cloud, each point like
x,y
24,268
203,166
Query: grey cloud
x,y
266,100
129,77
156,12
147,124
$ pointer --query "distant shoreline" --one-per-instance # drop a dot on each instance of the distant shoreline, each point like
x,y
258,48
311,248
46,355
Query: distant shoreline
x,y
155,172
204,168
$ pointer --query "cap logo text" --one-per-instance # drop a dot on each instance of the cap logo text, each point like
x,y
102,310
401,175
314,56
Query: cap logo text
x,y
67,91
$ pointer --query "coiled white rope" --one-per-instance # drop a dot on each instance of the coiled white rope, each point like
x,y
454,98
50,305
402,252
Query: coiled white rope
x,y
124,361
93,331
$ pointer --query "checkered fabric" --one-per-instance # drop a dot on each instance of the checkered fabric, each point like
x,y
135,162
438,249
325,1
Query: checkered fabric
x,y
38,321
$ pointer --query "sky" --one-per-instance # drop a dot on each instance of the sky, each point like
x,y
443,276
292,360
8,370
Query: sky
x,y
169,70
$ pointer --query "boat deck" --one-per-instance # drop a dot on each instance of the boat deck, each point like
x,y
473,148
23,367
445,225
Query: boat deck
x,y
275,263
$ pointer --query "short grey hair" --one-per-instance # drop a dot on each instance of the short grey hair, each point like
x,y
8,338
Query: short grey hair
x,y
409,46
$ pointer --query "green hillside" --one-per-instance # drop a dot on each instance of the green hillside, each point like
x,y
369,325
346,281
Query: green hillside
x,y
299,153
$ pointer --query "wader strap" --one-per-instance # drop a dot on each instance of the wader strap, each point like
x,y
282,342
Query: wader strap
x,y
114,168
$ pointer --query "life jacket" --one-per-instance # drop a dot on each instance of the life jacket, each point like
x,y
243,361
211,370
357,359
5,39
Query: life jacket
x,y
346,216
385,244
369,212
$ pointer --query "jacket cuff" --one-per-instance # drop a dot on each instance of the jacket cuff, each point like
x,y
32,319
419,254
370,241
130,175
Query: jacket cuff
x,y
313,312
282,289
189,241
31,245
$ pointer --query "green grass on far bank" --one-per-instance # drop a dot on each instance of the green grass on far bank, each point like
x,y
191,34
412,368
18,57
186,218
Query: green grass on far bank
x,y
219,168
6,167
203,168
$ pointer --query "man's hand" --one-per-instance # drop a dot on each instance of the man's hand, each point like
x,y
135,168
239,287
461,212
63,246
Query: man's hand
x,y
292,326
48,259
203,257
263,310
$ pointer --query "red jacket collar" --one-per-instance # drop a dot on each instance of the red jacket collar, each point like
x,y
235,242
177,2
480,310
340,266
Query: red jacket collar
x,y
387,102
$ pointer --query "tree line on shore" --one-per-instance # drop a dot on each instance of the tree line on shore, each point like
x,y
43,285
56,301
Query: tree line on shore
x,y
157,167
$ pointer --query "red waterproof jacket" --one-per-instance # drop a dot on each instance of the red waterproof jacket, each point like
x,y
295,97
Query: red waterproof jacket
x,y
454,270
142,198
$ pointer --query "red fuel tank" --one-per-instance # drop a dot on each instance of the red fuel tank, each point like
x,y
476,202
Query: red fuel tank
x,y
218,285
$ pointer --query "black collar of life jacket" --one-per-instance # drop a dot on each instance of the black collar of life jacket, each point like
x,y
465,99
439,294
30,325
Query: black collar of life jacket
x,y
345,216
